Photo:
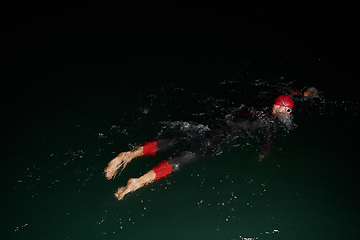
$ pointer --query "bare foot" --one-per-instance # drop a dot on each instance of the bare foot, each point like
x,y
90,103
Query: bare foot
x,y
135,183
117,164
120,162
131,186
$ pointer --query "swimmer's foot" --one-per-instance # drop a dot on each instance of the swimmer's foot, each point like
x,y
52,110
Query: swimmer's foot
x,y
119,163
134,184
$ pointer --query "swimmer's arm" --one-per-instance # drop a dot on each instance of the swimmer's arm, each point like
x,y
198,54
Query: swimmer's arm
x,y
265,150
261,157
308,93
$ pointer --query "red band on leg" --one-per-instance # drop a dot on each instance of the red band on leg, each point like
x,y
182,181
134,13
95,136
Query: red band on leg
x,y
149,148
162,169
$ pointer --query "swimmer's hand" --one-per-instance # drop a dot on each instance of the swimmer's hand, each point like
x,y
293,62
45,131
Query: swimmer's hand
x,y
261,157
311,93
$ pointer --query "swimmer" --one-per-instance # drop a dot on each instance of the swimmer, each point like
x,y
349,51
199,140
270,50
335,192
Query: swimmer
x,y
263,122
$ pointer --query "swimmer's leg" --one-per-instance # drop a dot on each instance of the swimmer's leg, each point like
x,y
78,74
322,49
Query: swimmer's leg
x,y
159,171
150,148
182,159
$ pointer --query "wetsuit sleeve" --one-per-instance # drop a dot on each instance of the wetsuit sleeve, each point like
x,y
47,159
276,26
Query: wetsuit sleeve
x,y
266,131
267,128
295,93
269,132
265,148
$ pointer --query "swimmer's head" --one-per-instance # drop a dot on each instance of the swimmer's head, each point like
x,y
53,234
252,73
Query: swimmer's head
x,y
283,104
285,101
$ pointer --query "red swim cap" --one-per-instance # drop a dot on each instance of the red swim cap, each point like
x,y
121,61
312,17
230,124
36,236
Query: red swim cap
x,y
285,101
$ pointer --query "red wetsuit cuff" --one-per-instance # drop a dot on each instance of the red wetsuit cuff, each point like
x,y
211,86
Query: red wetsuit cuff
x,y
162,169
149,148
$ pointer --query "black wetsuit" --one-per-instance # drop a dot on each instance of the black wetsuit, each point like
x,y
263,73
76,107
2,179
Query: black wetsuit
x,y
255,122
213,140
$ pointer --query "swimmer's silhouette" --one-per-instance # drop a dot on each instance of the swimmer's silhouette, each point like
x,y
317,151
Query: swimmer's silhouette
x,y
264,121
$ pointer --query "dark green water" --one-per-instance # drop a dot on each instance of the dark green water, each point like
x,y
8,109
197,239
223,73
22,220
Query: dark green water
x,y
78,110
55,189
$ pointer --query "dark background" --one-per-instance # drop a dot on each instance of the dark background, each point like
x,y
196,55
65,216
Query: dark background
x,y
43,40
